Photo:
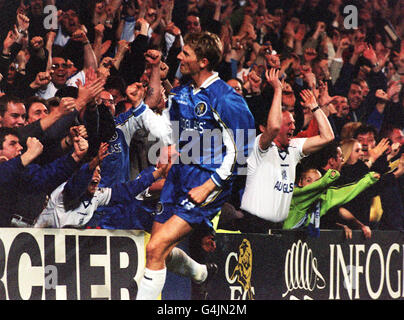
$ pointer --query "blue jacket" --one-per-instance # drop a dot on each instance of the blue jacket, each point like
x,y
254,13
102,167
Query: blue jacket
x,y
22,189
124,210
77,185
137,214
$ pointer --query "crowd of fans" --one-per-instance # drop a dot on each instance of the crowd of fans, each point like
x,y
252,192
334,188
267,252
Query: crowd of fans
x,y
66,91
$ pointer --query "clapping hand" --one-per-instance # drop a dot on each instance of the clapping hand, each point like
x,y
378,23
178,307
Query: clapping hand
x,y
381,95
22,22
378,150
67,105
93,87
309,100
272,77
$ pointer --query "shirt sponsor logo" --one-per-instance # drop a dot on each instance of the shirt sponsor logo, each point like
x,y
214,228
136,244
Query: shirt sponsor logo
x,y
192,125
284,187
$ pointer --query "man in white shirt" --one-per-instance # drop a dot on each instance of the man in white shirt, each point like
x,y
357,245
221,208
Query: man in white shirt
x,y
74,202
272,163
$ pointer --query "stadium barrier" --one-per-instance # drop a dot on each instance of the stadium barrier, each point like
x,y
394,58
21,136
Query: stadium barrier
x,y
290,265
69,264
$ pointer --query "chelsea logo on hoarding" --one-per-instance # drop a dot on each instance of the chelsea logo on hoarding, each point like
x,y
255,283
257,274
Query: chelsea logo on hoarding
x,y
200,109
242,272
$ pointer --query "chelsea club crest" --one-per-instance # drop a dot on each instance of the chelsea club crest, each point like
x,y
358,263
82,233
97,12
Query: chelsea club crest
x,y
200,109
159,209
284,175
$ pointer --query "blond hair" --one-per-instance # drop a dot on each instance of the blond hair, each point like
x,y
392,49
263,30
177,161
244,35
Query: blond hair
x,y
206,45
347,146
306,172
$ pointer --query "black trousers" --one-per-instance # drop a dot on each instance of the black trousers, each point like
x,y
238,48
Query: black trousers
x,y
253,224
